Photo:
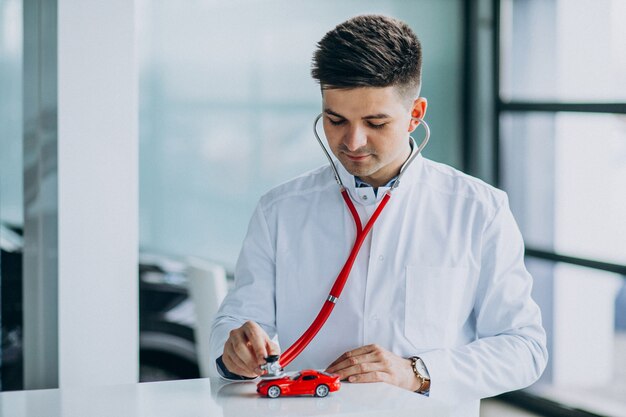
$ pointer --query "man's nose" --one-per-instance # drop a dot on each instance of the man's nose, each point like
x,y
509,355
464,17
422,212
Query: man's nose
x,y
355,138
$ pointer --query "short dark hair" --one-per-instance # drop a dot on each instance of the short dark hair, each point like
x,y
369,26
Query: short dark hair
x,y
369,51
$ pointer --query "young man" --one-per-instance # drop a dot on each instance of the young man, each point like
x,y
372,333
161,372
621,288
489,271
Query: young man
x,y
439,284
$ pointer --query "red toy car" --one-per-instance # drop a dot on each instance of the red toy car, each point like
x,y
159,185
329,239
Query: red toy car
x,y
308,382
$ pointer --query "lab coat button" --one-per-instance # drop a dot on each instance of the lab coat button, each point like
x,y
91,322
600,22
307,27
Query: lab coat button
x,y
364,196
381,258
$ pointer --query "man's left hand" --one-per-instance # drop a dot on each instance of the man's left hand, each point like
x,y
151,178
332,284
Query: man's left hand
x,y
372,363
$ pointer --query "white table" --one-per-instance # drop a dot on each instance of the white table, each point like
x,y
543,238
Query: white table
x,y
213,398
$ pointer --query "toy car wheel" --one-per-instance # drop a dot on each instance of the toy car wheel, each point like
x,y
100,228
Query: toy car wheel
x,y
321,391
273,391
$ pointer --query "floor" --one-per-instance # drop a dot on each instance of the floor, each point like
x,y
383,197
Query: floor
x,y
495,408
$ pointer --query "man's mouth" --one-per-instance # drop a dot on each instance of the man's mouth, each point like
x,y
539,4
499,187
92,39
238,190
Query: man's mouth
x,y
356,157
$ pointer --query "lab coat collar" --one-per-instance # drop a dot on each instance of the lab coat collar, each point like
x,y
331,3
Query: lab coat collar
x,y
365,195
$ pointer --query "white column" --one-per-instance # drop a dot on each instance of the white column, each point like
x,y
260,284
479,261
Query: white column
x,y
96,166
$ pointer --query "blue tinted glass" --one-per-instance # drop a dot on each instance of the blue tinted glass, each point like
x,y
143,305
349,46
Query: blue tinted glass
x,y
227,105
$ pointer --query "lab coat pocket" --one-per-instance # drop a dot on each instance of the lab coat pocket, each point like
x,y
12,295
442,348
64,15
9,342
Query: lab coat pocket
x,y
433,300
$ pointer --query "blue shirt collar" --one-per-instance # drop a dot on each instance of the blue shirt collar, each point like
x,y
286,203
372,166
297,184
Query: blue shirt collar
x,y
359,183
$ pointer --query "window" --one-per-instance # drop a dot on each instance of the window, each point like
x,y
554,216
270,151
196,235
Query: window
x,y
561,145
227,105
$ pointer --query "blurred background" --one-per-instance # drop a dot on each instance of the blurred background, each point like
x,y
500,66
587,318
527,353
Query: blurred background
x,y
529,95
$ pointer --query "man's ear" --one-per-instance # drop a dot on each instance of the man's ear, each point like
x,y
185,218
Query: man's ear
x,y
417,110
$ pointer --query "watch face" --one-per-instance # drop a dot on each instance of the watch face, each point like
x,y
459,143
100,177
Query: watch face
x,y
421,368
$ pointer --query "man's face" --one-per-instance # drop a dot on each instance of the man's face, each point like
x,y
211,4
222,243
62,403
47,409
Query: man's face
x,y
368,129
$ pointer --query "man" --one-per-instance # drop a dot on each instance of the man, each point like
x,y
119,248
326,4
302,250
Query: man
x,y
438,301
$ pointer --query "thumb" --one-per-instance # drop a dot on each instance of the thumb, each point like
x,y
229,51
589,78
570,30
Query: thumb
x,y
272,348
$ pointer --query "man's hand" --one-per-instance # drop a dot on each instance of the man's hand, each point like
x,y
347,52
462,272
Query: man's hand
x,y
374,364
246,349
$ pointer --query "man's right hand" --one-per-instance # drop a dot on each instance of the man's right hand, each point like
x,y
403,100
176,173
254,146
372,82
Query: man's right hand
x,y
246,349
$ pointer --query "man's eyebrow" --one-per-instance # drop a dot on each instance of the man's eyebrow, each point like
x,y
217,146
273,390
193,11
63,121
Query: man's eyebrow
x,y
377,116
332,113
371,116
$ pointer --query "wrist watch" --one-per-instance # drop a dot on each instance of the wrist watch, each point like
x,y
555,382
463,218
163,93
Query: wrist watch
x,y
421,373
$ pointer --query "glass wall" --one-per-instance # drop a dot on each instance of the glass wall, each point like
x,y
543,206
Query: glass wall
x,y
11,112
557,168
562,141
226,111
11,217
227,105
563,50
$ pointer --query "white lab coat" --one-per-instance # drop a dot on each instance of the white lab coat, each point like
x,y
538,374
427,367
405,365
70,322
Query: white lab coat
x,y
440,276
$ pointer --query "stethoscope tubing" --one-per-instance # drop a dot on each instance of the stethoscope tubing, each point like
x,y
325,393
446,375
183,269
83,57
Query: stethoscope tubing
x,y
297,347
328,306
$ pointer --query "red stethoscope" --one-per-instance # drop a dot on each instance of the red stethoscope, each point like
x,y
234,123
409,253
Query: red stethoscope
x,y
275,364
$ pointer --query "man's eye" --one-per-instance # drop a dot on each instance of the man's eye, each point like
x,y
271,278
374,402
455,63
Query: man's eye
x,y
336,122
376,126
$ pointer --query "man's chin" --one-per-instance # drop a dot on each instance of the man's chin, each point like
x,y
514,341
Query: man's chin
x,y
356,169
361,173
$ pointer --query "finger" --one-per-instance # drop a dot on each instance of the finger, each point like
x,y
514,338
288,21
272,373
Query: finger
x,y
272,348
238,345
342,358
341,363
236,366
355,352
258,341
360,368
376,376
336,361
244,352
352,361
